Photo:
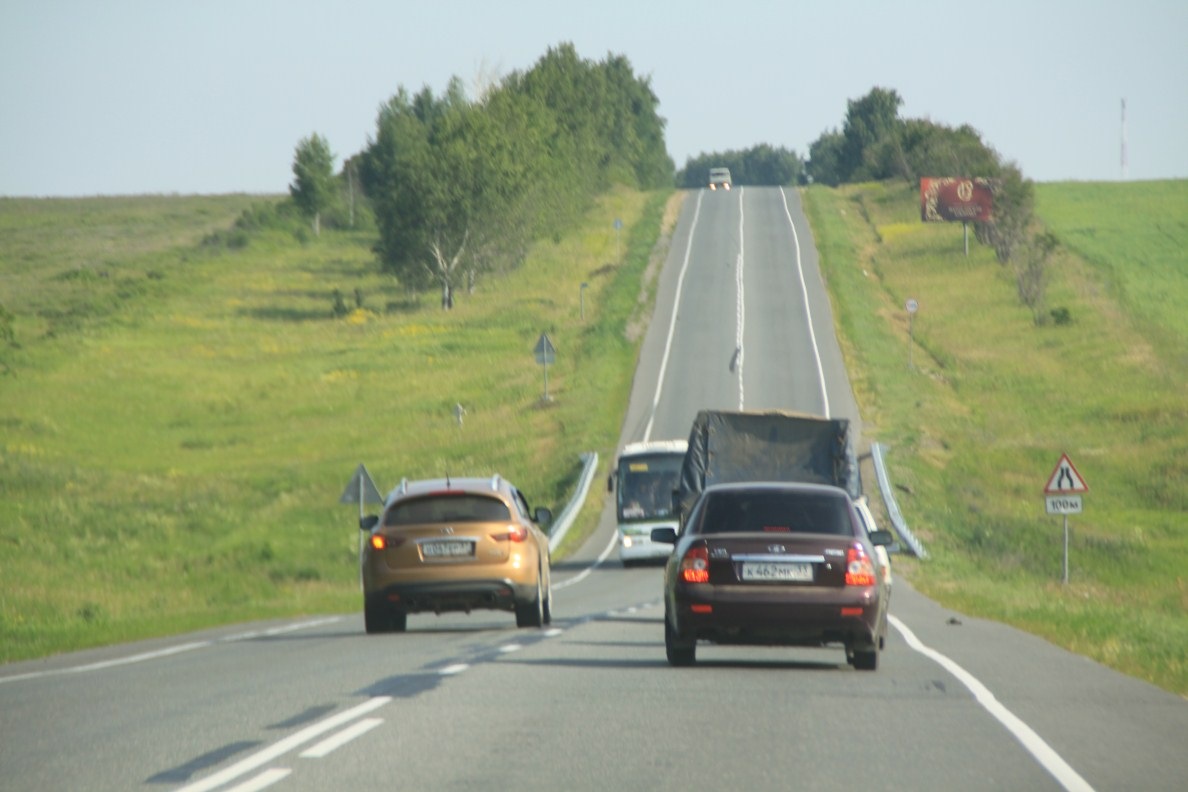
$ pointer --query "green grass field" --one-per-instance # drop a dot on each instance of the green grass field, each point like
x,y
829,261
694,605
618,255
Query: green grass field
x,y
179,418
993,400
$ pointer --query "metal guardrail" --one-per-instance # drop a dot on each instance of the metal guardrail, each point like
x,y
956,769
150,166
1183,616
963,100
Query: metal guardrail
x,y
570,512
897,521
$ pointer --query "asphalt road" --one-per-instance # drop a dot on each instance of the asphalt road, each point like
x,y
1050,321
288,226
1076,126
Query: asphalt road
x,y
470,702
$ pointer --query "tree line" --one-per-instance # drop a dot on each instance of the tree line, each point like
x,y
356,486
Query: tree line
x,y
760,165
459,186
875,144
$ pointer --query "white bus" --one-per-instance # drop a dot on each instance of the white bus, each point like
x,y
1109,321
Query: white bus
x,y
645,478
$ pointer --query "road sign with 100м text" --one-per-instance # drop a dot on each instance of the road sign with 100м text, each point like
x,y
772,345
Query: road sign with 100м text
x,y
1063,504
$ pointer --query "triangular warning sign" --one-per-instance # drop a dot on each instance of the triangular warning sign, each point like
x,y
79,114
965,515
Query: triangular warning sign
x,y
1065,479
361,489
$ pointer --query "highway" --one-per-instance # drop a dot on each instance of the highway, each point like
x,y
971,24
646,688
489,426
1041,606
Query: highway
x,y
472,703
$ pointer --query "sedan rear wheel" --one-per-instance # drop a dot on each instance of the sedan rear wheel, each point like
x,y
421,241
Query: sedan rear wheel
x,y
866,659
680,652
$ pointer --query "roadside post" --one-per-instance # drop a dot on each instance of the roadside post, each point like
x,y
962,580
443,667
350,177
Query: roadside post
x,y
362,490
545,355
618,228
1062,495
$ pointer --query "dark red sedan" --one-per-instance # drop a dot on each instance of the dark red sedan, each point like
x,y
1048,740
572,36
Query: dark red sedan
x,y
774,564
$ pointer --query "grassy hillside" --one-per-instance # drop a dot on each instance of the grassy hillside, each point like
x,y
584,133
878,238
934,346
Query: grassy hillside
x,y
992,400
179,415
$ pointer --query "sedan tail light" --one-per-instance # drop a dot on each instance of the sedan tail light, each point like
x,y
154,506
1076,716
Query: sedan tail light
x,y
859,569
695,565
381,542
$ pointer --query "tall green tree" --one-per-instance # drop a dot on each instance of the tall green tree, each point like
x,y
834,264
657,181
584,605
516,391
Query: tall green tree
x,y
825,158
460,186
868,121
1014,210
416,173
313,186
919,147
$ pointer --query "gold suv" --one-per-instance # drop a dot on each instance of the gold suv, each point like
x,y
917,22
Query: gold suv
x,y
455,545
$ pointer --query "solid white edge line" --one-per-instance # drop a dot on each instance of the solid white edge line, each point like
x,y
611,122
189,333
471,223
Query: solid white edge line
x,y
676,307
1035,745
585,573
262,781
340,739
281,747
807,311
169,651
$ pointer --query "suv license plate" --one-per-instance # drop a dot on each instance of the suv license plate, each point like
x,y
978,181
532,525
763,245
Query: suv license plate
x,y
777,572
447,549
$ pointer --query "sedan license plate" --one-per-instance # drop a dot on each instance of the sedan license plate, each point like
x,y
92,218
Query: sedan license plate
x,y
777,572
447,549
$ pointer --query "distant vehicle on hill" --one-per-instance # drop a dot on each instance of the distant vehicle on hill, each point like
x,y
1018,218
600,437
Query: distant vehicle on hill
x,y
719,177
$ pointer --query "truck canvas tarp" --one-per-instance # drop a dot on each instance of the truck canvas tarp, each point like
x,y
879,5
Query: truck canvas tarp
x,y
726,447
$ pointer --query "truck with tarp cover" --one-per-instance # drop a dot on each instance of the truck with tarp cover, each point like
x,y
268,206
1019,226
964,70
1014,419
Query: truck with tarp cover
x,y
729,447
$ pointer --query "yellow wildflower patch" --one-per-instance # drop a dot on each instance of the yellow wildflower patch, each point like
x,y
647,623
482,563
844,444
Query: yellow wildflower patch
x,y
339,375
896,231
359,316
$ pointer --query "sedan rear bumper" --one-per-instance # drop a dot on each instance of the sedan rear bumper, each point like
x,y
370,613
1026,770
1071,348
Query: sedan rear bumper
x,y
777,615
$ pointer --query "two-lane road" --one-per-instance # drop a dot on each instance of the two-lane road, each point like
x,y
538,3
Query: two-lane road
x,y
471,702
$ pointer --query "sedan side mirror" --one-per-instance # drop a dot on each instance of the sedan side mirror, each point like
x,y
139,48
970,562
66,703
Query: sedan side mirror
x,y
882,538
368,522
543,516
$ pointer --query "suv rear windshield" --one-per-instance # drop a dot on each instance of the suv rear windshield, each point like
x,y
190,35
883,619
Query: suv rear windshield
x,y
761,511
447,508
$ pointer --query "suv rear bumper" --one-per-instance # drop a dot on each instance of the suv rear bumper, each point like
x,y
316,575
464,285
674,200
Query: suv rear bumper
x,y
468,595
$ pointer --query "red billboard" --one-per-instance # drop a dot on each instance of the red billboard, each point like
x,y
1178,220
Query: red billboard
x,y
956,199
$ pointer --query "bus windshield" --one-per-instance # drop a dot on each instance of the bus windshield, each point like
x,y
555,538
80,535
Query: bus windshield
x,y
646,484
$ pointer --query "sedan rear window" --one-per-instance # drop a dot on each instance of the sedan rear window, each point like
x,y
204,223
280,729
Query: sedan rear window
x,y
773,512
447,508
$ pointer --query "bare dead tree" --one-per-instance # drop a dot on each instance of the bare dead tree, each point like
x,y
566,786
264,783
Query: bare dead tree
x,y
443,268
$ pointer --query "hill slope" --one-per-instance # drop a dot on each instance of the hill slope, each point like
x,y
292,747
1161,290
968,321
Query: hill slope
x,y
992,400
182,410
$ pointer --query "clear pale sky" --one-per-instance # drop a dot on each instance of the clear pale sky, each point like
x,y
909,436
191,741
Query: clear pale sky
x,y
114,97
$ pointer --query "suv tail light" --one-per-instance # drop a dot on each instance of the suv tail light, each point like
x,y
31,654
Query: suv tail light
x,y
515,533
859,570
381,542
695,565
